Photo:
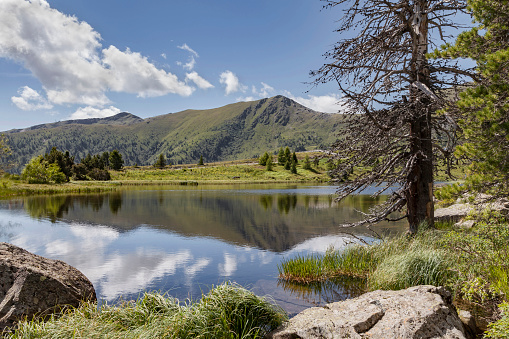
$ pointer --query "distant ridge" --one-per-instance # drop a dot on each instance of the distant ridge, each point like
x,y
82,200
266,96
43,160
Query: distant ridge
x,y
237,131
123,118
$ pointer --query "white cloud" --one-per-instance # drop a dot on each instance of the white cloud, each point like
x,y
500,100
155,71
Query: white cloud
x,y
29,100
185,47
133,73
67,57
249,98
231,82
164,56
93,112
198,80
190,65
324,103
265,91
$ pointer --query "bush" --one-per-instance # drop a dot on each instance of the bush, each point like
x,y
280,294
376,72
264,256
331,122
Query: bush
x,y
38,171
79,172
99,174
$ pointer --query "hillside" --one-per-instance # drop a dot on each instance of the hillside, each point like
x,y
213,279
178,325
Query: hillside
x,y
239,130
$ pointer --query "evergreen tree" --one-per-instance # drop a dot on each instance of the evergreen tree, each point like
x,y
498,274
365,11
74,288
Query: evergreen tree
x,y
200,162
63,160
105,158
288,154
116,161
288,164
307,163
294,158
293,168
161,161
269,162
281,159
263,159
483,109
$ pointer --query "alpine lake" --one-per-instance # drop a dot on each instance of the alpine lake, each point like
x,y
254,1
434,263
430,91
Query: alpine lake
x,y
183,240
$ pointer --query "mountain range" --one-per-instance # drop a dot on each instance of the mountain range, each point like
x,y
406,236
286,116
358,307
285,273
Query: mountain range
x,y
237,131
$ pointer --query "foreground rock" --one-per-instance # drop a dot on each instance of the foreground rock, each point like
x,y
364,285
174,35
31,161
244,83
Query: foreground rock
x,y
31,285
417,312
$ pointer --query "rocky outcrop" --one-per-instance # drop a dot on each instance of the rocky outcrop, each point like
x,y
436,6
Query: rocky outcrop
x,y
417,312
458,212
31,285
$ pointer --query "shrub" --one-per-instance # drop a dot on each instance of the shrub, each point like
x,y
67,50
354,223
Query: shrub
x,y
38,171
99,174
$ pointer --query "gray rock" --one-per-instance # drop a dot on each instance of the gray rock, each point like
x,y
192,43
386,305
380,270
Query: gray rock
x,y
453,213
465,224
417,312
31,285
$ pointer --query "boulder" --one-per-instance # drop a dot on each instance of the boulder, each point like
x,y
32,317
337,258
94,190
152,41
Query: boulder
x,y
453,213
417,312
31,285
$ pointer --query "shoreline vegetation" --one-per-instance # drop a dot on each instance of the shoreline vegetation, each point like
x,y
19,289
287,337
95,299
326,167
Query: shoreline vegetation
x,y
472,263
226,311
247,171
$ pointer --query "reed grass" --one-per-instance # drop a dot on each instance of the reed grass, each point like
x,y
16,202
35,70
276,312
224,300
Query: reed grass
x,y
227,311
393,263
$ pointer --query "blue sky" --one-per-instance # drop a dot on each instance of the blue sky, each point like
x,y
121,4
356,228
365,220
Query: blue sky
x,y
62,59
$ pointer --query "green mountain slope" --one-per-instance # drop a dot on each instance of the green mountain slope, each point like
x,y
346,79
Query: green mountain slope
x,y
239,130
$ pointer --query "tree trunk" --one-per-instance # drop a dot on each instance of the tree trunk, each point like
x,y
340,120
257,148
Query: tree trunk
x,y
420,194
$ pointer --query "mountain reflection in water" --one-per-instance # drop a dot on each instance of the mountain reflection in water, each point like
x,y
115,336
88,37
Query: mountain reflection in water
x,y
184,240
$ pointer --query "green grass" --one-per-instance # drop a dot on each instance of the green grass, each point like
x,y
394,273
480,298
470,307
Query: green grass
x,y
227,311
220,172
241,171
473,263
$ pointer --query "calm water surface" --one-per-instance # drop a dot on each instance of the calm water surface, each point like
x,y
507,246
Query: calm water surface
x,y
183,240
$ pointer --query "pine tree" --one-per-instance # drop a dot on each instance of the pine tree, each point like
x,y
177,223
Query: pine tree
x,y
288,154
263,159
483,109
161,161
281,159
307,163
200,162
116,161
293,168
269,163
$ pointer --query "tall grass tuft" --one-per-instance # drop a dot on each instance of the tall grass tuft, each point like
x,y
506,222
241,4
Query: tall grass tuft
x,y
227,311
418,266
363,261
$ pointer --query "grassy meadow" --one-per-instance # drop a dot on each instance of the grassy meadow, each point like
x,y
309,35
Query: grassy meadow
x,y
241,171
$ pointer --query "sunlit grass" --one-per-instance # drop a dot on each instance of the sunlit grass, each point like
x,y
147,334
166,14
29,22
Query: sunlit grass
x,y
227,311
392,263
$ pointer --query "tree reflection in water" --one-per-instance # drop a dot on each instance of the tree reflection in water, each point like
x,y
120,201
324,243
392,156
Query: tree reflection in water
x,y
327,291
